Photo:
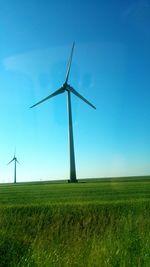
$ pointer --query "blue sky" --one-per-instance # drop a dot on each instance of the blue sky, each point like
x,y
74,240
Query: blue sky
x,y
110,67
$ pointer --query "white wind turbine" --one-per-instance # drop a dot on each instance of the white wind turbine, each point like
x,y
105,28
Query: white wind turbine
x,y
68,89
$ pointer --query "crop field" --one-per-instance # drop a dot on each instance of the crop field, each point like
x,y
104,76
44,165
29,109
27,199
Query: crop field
x,y
94,223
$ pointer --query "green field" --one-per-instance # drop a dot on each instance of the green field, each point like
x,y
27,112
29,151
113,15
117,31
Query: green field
x,y
99,222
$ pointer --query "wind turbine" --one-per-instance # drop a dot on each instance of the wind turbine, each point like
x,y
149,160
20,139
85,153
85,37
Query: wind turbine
x,y
15,161
68,89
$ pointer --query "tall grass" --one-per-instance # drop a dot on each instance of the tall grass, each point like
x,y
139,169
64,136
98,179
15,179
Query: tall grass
x,y
89,231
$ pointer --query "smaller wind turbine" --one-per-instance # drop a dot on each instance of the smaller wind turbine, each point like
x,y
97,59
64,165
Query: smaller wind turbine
x,y
16,161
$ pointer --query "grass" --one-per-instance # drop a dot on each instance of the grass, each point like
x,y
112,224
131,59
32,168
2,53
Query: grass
x,y
93,223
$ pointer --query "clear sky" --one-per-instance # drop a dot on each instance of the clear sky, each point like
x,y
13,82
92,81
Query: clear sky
x,y
111,68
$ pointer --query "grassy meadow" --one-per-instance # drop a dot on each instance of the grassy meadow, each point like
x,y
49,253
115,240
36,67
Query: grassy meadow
x,y
94,223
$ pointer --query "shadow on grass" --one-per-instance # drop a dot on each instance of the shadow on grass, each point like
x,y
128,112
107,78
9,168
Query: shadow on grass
x,y
14,252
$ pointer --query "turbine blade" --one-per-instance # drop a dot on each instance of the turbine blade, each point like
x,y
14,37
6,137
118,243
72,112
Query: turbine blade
x,y
57,92
17,161
80,96
69,63
10,161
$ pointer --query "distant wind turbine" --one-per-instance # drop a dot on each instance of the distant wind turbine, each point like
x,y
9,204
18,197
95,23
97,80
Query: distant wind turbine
x,y
68,89
15,161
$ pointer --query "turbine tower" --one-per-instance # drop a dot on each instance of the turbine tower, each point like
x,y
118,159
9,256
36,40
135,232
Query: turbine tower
x,y
68,89
15,161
